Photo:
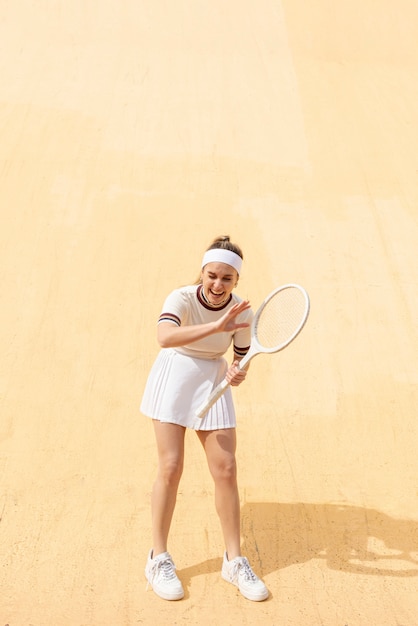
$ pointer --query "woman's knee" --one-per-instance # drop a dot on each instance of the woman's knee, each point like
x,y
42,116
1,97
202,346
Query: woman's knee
x,y
171,469
225,470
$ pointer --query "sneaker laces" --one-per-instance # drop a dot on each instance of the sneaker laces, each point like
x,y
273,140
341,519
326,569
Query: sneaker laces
x,y
243,568
164,566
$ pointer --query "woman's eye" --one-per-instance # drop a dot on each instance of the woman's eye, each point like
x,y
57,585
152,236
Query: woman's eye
x,y
227,279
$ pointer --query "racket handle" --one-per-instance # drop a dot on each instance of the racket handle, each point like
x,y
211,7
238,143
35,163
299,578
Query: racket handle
x,y
214,396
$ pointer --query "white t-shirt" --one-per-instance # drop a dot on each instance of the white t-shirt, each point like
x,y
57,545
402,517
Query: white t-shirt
x,y
186,307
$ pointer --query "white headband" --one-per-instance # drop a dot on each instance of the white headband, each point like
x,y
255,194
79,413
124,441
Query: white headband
x,y
220,255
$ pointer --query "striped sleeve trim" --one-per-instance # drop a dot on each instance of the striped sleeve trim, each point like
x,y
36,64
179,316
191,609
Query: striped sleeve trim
x,y
169,317
240,352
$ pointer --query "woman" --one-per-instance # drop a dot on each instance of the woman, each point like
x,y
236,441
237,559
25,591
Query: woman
x,y
195,329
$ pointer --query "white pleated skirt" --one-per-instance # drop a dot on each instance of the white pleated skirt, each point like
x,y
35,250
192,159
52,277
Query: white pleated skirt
x,y
178,385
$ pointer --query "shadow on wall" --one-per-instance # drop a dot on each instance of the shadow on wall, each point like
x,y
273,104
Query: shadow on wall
x,y
350,539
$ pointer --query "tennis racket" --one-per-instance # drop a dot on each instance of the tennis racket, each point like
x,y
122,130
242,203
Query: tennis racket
x,y
277,323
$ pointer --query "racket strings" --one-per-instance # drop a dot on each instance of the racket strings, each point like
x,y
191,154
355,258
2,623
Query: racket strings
x,y
281,318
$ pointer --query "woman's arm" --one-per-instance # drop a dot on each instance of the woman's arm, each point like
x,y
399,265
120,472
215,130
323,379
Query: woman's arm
x,y
171,336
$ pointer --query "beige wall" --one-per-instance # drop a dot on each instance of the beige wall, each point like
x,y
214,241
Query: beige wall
x,y
132,133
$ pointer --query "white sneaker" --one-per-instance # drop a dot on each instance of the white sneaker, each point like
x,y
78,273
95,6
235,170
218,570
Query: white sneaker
x,y
239,573
161,575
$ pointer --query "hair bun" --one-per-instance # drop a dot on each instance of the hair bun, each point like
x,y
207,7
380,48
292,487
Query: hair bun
x,y
224,242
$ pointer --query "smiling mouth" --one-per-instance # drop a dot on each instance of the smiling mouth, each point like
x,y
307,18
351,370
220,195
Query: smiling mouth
x,y
216,295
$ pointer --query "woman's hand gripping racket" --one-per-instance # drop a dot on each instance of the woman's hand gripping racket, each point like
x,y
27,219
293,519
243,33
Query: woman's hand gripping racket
x,y
277,323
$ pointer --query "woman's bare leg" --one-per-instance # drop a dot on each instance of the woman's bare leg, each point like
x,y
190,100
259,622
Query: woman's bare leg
x,y
170,447
220,446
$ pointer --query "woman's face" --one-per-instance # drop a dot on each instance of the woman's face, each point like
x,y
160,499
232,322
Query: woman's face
x,y
218,280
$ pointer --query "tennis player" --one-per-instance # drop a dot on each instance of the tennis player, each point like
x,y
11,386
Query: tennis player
x,y
195,329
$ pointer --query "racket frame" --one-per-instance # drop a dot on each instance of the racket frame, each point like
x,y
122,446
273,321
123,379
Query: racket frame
x,y
256,347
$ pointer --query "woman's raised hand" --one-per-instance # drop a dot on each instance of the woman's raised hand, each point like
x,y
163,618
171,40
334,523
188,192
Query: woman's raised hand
x,y
227,322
